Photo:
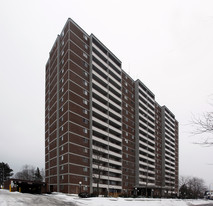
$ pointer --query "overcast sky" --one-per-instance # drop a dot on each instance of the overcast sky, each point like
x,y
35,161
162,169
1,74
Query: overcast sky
x,y
167,44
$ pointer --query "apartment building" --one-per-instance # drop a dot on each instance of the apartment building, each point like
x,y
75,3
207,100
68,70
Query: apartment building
x,y
104,131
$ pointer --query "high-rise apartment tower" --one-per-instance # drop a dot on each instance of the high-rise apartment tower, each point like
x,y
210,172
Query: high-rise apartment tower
x,y
104,132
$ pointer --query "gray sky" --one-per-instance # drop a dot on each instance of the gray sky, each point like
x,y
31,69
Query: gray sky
x,y
166,44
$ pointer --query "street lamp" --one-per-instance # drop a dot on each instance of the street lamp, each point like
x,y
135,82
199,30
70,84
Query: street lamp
x,y
80,186
152,193
136,191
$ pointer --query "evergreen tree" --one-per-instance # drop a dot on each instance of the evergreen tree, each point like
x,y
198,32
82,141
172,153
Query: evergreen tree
x,y
5,172
38,176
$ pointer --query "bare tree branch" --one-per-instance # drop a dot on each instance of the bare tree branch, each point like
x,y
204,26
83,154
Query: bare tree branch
x,y
203,125
191,187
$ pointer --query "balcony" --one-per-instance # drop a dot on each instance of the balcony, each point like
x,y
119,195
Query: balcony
x,y
99,130
99,59
115,137
99,78
101,69
100,104
102,53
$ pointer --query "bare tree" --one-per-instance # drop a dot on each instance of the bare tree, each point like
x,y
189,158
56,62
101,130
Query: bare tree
x,y
27,173
197,187
191,187
203,125
183,180
98,161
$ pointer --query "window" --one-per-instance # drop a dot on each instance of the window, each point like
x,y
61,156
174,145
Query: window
x,y
85,101
62,99
85,64
86,74
85,92
85,150
62,80
62,138
62,53
85,179
62,148
62,89
85,140
62,119
62,71
62,167
62,34
85,55
85,121
85,37
85,169
62,157
85,111
62,128
62,177
126,105
126,133
126,119
85,130
62,109
62,43
85,46
62,61
85,160
85,83
125,83
126,91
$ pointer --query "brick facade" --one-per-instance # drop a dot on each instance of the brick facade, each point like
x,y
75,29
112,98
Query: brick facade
x,y
104,131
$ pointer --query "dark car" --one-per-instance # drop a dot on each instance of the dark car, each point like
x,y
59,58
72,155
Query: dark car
x,y
83,195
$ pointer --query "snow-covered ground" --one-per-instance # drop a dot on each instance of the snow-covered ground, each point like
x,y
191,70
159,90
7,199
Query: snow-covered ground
x,y
19,199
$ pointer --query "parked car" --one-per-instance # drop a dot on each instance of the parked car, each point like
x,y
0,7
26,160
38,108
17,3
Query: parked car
x,y
208,195
83,195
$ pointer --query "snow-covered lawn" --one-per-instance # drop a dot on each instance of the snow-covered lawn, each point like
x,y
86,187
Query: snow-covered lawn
x,y
19,199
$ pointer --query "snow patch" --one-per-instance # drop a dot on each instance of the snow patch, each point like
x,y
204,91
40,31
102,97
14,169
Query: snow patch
x,y
58,199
